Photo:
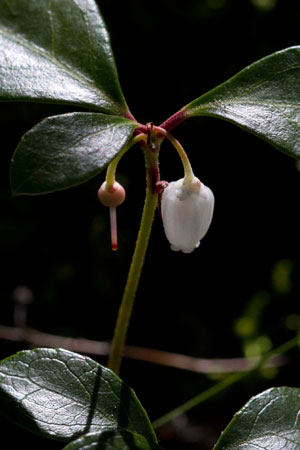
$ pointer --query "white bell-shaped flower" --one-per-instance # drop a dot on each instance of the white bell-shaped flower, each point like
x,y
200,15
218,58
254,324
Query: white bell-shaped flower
x,y
187,209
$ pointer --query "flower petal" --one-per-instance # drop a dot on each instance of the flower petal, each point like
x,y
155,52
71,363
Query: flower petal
x,y
187,210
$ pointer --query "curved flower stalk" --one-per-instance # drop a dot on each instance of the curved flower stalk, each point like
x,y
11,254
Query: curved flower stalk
x,y
187,209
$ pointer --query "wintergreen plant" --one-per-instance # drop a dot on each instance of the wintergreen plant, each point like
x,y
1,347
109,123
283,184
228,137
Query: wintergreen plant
x,y
59,52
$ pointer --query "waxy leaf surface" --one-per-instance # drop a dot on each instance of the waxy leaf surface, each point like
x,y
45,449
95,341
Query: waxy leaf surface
x,y
66,150
269,421
57,51
111,440
263,99
62,395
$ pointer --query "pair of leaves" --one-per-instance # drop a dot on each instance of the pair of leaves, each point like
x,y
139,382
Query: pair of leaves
x,y
60,52
62,395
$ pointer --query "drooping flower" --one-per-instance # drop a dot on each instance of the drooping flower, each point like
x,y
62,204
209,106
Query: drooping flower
x,y
112,196
187,209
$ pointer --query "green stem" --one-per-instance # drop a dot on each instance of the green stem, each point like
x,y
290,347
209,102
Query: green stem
x,y
229,381
135,270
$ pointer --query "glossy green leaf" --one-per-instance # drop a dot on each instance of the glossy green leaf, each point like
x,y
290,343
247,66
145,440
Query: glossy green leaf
x,y
269,421
63,151
111,440
60,394
263,99
57,51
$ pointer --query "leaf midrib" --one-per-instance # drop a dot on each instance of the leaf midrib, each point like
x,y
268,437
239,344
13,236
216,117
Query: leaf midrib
x,y
19,39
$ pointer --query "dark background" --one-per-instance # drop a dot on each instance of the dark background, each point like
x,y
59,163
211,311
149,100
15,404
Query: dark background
x,y
234,296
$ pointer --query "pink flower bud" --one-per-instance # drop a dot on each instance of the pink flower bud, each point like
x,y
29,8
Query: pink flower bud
x,y
187,209
111,196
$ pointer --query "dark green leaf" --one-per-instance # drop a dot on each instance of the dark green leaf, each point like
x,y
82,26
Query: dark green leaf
x,y
111,440
63,151
263,99
57,51
269,421
60,394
